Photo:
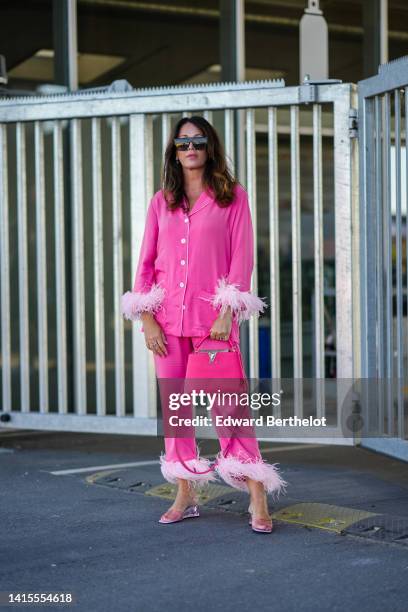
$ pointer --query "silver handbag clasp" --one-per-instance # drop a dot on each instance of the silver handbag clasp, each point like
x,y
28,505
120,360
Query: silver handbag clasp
x,y
212,353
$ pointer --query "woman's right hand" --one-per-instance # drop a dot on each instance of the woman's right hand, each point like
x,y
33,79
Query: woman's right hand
x,y
154,336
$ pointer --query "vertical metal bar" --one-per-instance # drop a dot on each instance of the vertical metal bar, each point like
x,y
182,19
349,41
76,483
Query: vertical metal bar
x,y
148,189
229,137
355,256
118,267
380,259
208,115
5,274
141,190
41,246
23,267
368,355
352,194
78,270
296,260
401,421
274,243
232,56
346,247
60,284
99,307
389,315
251,185
318,257
239,156
398,255
165,121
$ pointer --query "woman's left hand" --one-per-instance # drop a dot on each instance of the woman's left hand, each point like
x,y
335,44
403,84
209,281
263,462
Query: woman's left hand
x,y
221,328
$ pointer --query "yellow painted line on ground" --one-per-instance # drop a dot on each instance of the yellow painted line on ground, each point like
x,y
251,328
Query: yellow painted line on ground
x,y
321,516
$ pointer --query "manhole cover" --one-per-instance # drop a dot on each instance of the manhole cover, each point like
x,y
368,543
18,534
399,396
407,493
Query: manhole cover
x,y
324,516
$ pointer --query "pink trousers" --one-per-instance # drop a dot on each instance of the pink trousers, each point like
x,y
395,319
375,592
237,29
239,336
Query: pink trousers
x,y
238,459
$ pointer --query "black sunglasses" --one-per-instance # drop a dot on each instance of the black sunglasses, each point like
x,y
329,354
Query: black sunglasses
x,y
199,143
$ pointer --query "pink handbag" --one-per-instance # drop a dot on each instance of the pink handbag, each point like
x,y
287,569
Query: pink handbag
x,y
213,365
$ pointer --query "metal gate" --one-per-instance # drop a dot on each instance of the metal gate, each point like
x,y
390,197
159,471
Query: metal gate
x,y
76,175
383,114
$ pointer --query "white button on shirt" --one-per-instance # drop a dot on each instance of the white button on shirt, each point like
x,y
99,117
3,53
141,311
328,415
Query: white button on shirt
x,y
186,220
183,240
182,262
181,284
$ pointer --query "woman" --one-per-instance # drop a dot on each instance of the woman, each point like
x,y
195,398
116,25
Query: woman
x,y
193,279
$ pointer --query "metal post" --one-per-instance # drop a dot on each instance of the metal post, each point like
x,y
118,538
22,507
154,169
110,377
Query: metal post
x,y
65,73
313,44
375,39
232,55
65,43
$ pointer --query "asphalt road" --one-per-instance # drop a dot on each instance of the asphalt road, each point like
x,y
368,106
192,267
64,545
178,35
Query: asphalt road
x,y
95,534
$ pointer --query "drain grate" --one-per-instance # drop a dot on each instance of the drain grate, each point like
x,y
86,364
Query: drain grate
x,y
382,528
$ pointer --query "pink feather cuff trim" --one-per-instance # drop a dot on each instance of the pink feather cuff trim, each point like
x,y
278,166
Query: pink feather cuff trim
x,y
133,303
235,471
172,470
243,303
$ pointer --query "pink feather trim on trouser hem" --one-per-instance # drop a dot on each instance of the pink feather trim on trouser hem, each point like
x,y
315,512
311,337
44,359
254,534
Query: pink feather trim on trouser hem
x,y
235,471
172,470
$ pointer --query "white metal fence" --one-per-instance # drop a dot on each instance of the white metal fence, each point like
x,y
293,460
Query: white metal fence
x,y
76,175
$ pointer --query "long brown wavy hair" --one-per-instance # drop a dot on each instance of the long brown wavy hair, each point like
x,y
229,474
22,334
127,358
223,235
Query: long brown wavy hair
x,y
217,175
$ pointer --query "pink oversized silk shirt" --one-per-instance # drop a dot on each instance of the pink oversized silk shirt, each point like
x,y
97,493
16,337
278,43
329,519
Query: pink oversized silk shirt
x,y
193,265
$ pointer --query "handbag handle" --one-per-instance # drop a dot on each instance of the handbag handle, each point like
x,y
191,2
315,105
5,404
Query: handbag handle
x,y
202,340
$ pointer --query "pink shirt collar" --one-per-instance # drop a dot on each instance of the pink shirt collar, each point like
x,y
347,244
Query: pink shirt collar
x,y
206,196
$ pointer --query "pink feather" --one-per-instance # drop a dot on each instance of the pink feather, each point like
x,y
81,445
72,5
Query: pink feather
x,y
234,472
134,303
172,470
243,303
